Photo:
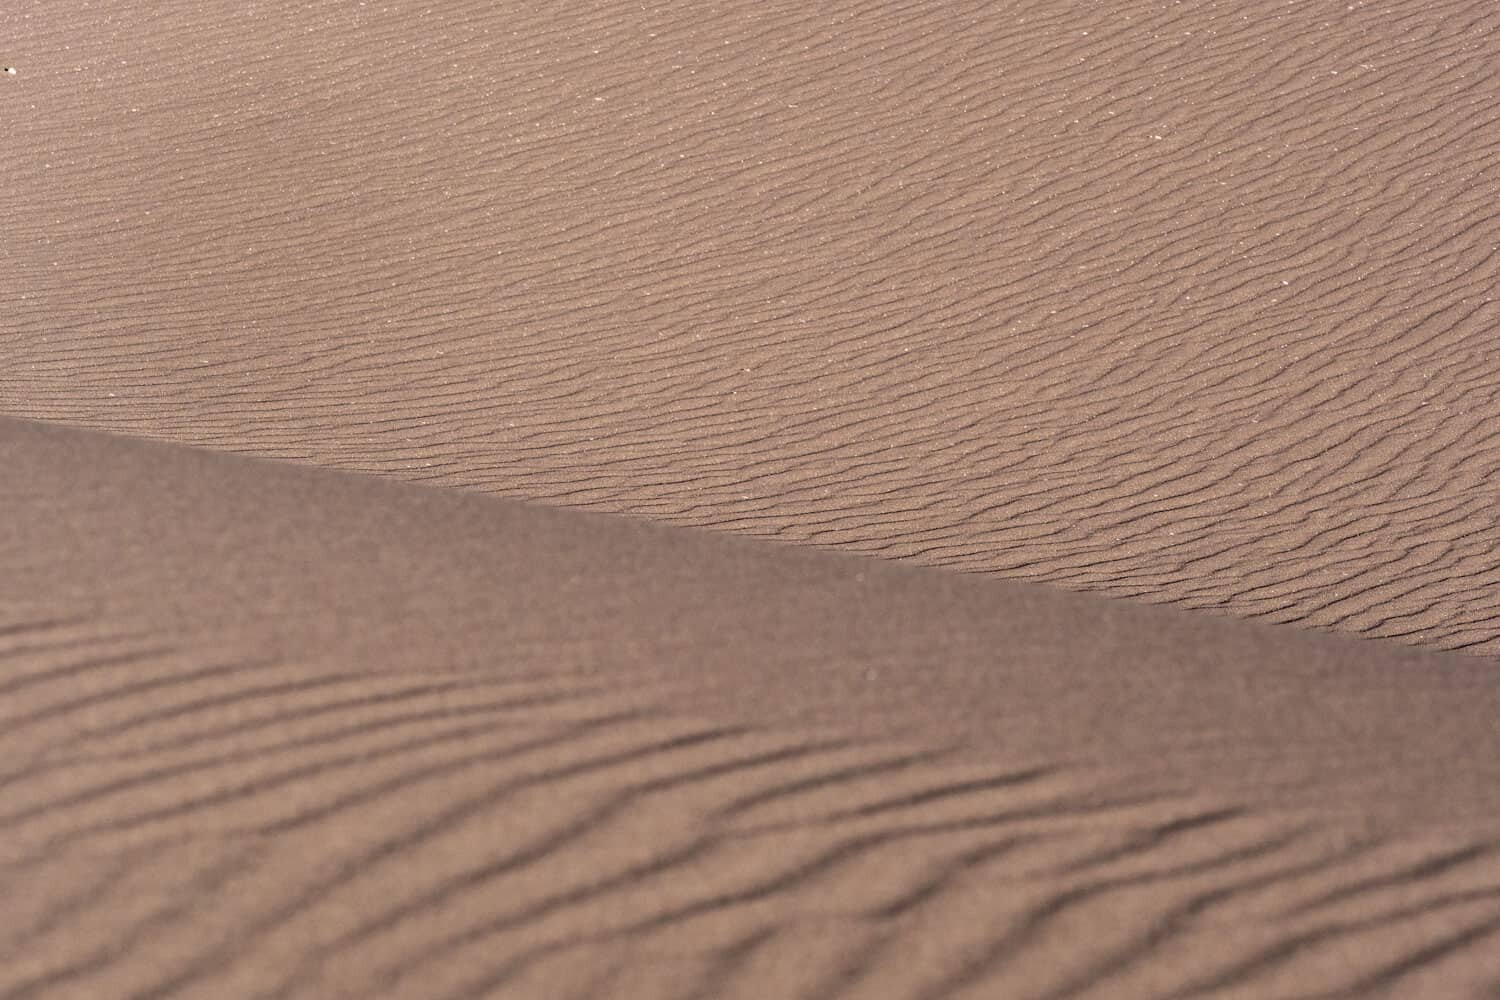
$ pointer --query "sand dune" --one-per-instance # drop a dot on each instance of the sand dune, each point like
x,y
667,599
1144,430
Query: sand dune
x,y
1119,378
290,733
1178,302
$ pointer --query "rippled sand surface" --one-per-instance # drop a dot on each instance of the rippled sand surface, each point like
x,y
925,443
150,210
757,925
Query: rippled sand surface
x,y
910,500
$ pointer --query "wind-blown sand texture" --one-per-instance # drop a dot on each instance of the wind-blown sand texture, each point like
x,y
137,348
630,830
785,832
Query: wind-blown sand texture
x,y
1188,304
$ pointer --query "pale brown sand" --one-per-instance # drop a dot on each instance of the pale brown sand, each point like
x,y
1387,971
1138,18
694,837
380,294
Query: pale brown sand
x,y
1187,303
1181,301
273,732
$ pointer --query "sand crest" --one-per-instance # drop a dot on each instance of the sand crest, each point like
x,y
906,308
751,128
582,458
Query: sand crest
x,y
1091,408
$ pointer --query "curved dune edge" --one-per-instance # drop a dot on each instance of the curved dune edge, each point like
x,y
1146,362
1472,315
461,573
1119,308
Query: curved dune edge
x,y
1192,303
278,732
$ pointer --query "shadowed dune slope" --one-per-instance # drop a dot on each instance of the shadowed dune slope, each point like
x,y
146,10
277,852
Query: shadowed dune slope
x,y
1188,302
278,732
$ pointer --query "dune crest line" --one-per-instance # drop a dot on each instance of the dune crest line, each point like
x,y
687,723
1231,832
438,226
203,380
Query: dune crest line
x,y
294,733
1190,304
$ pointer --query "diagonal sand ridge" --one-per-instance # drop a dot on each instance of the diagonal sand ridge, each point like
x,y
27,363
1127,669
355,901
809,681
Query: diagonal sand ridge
x,y
1185,303
369,371
402,742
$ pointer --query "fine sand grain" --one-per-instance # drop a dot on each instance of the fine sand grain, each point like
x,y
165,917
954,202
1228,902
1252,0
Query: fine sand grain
x,y
1150,349
1179,301
288,733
